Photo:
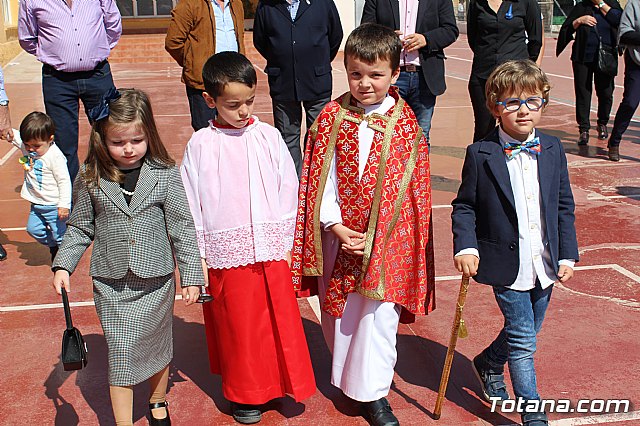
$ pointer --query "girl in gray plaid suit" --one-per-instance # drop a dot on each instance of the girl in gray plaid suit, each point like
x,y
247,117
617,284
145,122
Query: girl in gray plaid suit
x,y
129,201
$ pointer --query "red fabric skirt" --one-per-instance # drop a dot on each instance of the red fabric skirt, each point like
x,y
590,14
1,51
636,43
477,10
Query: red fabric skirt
x,y
255,336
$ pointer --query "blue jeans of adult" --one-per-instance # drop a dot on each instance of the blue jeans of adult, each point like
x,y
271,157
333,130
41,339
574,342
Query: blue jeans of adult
x,y
44,226
630,100
523,313
201,113
414,90
62,93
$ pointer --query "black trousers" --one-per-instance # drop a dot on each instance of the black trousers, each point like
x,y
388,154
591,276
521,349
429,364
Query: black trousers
x,y
287,118
200,111
484,121
630,100
584,78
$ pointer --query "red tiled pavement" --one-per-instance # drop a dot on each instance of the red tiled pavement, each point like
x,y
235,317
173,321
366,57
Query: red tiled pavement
x,y
588,347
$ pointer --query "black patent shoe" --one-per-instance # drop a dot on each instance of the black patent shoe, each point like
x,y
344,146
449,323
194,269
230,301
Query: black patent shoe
x,y
379,413
159,422
584,138
602,131
245,413
3,253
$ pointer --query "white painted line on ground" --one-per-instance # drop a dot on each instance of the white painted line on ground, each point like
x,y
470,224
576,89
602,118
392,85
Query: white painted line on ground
x,y
571,78
596,196
51,306
455,107
314,302
598,419
603,163
555,101
8,155
441,206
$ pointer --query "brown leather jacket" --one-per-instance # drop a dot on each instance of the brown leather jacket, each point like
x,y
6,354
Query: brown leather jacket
x,y
191,36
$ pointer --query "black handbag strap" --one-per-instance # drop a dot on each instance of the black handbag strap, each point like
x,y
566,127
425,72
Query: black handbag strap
x,y
67,310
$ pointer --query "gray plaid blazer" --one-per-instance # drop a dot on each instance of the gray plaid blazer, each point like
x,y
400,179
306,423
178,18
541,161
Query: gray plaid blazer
x,y
142,236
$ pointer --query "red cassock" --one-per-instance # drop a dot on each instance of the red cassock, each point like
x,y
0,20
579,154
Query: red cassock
x,y
390,203
254,334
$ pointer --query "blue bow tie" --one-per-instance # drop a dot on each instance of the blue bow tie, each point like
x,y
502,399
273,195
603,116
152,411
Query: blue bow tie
x,y
512,149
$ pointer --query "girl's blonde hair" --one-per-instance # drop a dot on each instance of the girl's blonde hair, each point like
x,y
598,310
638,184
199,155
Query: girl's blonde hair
x,y
131,108
515,77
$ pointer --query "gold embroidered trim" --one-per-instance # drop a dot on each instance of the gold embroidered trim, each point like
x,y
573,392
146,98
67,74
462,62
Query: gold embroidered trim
x,y
326,166
397,208
378,293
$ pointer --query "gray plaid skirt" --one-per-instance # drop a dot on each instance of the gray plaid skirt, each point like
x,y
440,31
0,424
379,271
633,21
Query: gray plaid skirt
x,y
136,316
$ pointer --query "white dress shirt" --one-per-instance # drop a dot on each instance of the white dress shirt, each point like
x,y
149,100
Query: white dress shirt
x,y
408,19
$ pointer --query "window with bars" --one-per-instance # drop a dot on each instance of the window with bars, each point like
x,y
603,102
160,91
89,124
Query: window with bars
x,y
144,8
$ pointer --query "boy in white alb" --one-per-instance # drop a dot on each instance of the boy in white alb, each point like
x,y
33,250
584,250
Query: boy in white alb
x,y
47,185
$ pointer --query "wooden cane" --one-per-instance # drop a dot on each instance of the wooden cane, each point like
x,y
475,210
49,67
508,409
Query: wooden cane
x,y
444,381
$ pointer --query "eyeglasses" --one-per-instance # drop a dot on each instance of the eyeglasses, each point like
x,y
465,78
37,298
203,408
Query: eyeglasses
x,y
534,103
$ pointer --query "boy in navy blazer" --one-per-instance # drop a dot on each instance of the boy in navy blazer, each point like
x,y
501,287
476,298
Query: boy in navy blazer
x,y
513,228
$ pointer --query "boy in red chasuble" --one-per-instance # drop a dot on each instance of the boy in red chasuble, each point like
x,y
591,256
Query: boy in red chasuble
x,y
363,234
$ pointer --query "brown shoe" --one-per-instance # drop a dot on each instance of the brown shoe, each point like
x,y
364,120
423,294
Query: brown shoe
x,y
614,153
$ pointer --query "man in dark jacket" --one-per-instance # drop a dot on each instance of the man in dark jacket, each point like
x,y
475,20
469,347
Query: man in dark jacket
x,y
426,28
299,39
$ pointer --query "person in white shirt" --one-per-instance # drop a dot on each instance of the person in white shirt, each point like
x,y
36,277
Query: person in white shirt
x,y
47,185
513,227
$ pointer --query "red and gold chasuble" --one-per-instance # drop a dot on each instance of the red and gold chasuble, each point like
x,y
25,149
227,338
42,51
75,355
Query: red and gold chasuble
x,y
390,203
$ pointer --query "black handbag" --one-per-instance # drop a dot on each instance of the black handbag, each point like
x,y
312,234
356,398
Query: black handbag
x,y
74,348
607,59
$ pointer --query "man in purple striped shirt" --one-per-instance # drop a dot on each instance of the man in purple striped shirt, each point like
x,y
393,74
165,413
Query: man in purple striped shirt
x,y
72,39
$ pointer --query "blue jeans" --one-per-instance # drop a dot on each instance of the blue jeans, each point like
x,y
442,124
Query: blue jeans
x,y
44,225
414,90
200,111
516,343
62,93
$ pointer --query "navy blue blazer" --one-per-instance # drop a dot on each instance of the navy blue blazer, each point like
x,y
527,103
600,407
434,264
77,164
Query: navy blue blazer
x,y
484,213
435,22
298,53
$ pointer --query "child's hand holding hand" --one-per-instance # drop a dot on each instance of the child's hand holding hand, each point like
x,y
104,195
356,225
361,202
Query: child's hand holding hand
x,y
60,279
63,213
565,273
190,294
352,241
467,264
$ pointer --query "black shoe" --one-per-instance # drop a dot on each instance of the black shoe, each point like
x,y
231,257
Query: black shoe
x,y
534,419
245,413
602,131
492,383
379,413
614,153
584,138
3,253
159,422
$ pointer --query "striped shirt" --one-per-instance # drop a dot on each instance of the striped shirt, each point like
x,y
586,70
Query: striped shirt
x,y
69,39
3,94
